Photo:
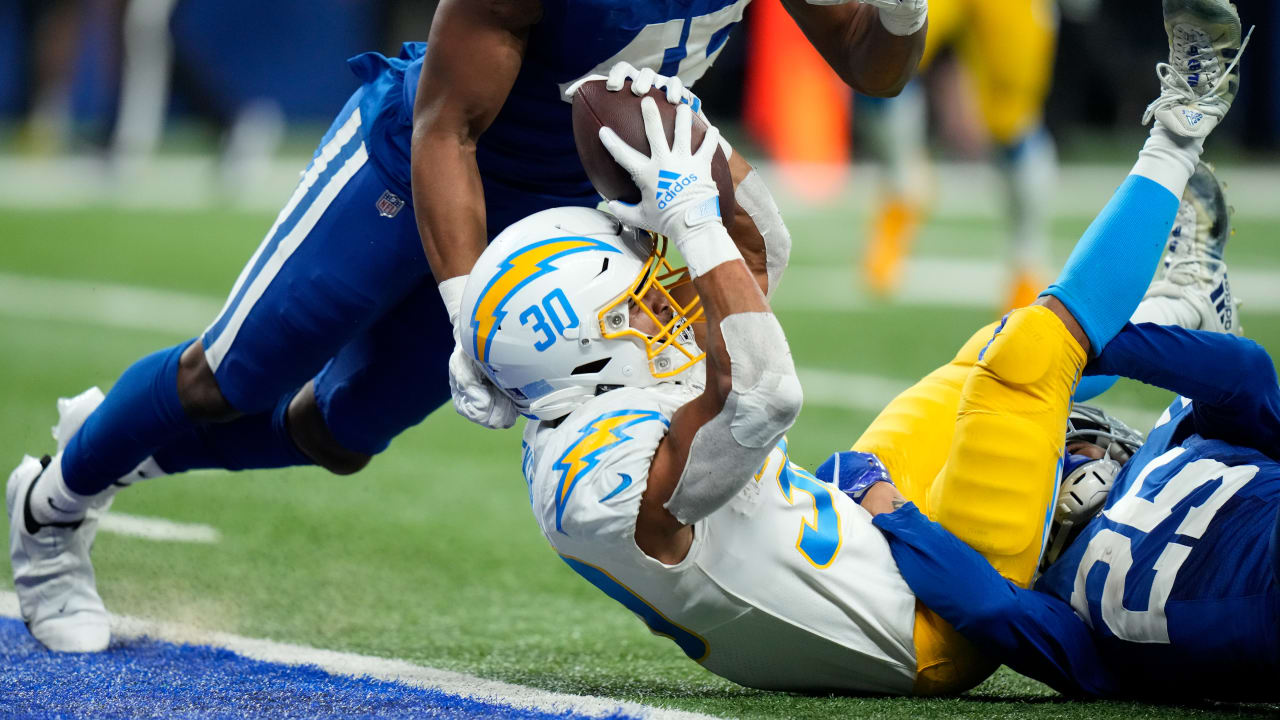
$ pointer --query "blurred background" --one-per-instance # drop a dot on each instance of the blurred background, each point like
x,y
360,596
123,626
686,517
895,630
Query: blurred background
x,y
130,77
146,146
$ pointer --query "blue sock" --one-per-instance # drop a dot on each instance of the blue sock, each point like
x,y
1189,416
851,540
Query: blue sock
x,y
1112,264
246,443
1091,386
141,413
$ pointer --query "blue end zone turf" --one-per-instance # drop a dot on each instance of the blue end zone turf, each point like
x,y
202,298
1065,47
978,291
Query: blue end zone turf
x,y
148,678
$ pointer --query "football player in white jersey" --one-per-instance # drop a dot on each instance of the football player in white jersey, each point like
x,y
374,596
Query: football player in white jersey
x,y
665,482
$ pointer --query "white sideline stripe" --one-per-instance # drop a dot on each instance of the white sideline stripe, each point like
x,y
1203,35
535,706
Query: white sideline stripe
x,y
150,528
870,393
929,282
966,283
283,251
353,665
178,182
309,177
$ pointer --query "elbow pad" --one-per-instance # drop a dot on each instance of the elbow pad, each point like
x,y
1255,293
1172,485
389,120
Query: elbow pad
x,y
753,196
762,405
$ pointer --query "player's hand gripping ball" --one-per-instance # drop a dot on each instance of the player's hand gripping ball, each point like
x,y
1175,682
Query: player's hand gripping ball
x,y
596,105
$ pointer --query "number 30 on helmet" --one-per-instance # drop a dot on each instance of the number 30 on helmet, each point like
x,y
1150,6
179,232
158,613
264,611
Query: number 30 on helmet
x,y
547,311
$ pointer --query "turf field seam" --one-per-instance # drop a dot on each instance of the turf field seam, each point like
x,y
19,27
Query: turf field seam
x,y
966,283
190,182
141,308
158,529
362,666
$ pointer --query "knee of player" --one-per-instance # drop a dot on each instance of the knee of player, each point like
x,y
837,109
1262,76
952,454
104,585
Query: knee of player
x,y
348,464
198,389
312,436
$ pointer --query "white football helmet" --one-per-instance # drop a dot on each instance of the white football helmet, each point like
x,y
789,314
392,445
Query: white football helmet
x,y
547,311
1086,481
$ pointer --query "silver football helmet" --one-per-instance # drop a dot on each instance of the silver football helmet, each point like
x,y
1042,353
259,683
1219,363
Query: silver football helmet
x,y
1086,481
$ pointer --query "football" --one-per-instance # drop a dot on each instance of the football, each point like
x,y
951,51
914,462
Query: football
x,y
595,107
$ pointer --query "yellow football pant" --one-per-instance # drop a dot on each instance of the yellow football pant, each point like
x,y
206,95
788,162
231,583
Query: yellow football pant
x,y
1007,47
976,445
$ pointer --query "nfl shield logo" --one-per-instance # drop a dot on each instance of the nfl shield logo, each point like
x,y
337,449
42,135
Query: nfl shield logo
x,y
389,204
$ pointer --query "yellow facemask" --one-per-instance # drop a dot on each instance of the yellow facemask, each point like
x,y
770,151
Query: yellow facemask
x,y
658,275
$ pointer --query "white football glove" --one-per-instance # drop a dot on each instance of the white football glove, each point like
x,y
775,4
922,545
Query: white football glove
x,y
678,197
642,81
475,397
900,17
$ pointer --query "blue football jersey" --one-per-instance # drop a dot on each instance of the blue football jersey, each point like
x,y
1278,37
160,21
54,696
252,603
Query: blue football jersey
x,y
1177,575
527,157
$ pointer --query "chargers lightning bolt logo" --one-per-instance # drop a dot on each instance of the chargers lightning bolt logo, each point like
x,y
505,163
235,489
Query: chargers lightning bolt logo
x,y
520,268
598,437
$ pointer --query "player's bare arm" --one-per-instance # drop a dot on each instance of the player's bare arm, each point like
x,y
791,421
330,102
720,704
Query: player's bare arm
x,y
718,439
855,42
475,51
726,290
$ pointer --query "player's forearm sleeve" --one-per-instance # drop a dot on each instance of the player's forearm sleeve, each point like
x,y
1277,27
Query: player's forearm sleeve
x,y
729,449
1111,266
1231,380
754,197
1035,634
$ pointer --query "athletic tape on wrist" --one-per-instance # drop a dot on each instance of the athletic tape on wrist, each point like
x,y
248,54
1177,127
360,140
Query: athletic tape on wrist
x,y
762,405
451,292
705,247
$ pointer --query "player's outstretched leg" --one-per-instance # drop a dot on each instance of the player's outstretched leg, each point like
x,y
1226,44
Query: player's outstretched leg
x,y
1191,289
997,487
302,297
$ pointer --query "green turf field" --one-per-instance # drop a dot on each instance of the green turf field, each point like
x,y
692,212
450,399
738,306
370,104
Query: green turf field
x,y
430,554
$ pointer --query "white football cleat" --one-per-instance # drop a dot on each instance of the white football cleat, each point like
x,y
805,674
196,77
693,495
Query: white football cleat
x,y
1202,76
52,574
1193,270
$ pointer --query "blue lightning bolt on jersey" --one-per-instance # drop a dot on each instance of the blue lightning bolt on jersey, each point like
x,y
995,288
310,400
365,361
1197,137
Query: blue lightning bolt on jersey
x,y
527,158
1172,590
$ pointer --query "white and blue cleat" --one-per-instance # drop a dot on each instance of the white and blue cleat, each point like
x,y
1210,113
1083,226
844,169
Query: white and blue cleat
x,y
1201,79
52,573
1193,269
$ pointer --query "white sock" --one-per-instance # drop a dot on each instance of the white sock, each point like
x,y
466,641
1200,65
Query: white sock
x,y
1168,159
1030,176
896,130
52,501
1167,311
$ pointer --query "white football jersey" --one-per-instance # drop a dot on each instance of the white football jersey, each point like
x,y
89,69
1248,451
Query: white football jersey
x,y
786,587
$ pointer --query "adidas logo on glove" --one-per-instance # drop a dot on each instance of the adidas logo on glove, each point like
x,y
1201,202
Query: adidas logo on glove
x,y
670,184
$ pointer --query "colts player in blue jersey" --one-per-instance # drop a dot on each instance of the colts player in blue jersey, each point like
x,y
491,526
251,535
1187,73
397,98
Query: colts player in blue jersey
x,y
1171,590
338,333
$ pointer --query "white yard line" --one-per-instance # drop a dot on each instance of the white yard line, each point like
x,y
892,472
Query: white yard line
x,y
966,283
186,182
353,665
159,529
101,303
930,282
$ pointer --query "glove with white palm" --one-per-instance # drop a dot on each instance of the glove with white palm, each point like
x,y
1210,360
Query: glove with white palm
x,y
899,17
475,397
678,196
645,79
